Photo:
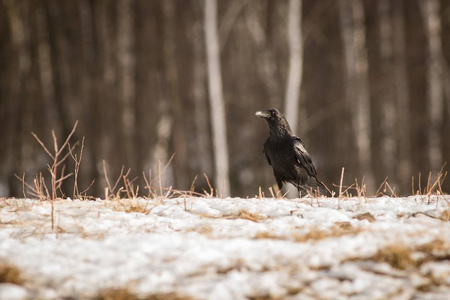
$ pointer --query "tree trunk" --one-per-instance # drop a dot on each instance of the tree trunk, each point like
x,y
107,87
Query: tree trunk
x,y
388,114
294,79
218,116
126,66
199,96
430,12
357,86
402,96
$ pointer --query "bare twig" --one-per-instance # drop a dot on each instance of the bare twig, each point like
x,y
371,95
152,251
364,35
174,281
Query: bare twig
x,y
340,184
211,189
42,145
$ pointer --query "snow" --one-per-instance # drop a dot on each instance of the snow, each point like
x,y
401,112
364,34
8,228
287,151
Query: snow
x,y
233,248
12,292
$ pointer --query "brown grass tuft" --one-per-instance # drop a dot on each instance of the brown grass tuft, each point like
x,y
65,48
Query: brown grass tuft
x,y
204,229
445,215
126,294
241,214
10,274
398,256
365,216
116,294
314,234
435,250
339,229
344,226
267,235
254,217
263,297
134,205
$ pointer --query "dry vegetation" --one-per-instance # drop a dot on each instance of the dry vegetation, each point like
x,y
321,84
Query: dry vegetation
x,y
365,216
139,205
313,234
127,294
403,257
10,274
124,187
398,256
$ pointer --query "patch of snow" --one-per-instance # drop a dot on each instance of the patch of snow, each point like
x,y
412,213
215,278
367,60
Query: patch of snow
x,y
12,292
232,248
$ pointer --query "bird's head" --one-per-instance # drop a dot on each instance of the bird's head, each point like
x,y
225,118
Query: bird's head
x,y
275,120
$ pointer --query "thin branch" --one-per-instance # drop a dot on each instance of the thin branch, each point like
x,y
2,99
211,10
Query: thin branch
x,y
42,145
68,138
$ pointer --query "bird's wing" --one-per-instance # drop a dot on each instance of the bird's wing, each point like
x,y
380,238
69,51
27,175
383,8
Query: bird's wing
x,y
303,156
267,156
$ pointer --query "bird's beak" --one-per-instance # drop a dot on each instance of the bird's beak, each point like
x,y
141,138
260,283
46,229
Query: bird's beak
x,y
262,114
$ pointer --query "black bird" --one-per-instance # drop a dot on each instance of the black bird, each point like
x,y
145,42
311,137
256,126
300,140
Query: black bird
x,y
287,155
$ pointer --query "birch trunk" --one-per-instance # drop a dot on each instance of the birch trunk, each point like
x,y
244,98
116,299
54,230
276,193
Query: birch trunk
x,y
430,11
294,78
357,91
216,99
295,65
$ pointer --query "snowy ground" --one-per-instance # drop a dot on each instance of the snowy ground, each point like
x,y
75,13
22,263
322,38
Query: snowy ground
x,y
208,248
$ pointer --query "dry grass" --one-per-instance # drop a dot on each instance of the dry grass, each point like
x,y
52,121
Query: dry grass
x,y
138,205
267,235
116,294
436,250
246,215
204,229
10,274
365,216
127,294
264,297
404,257
398,256
445,215
241,214
339,229
433,186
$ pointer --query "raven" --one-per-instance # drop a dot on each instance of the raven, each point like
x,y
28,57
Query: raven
x,y
287,155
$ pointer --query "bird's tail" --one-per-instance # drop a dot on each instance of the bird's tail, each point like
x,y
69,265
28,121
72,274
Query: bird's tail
x,y
322,188
314,188
318,188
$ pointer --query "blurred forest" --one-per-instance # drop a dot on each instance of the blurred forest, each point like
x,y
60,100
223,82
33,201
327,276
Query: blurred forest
x,y
365,84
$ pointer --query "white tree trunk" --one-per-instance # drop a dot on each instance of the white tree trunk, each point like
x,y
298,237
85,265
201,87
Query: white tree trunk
x,y
295,64
435,92
218,119
357,84
294,78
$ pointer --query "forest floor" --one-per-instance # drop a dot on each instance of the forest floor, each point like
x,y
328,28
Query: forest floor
x,y
232,248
